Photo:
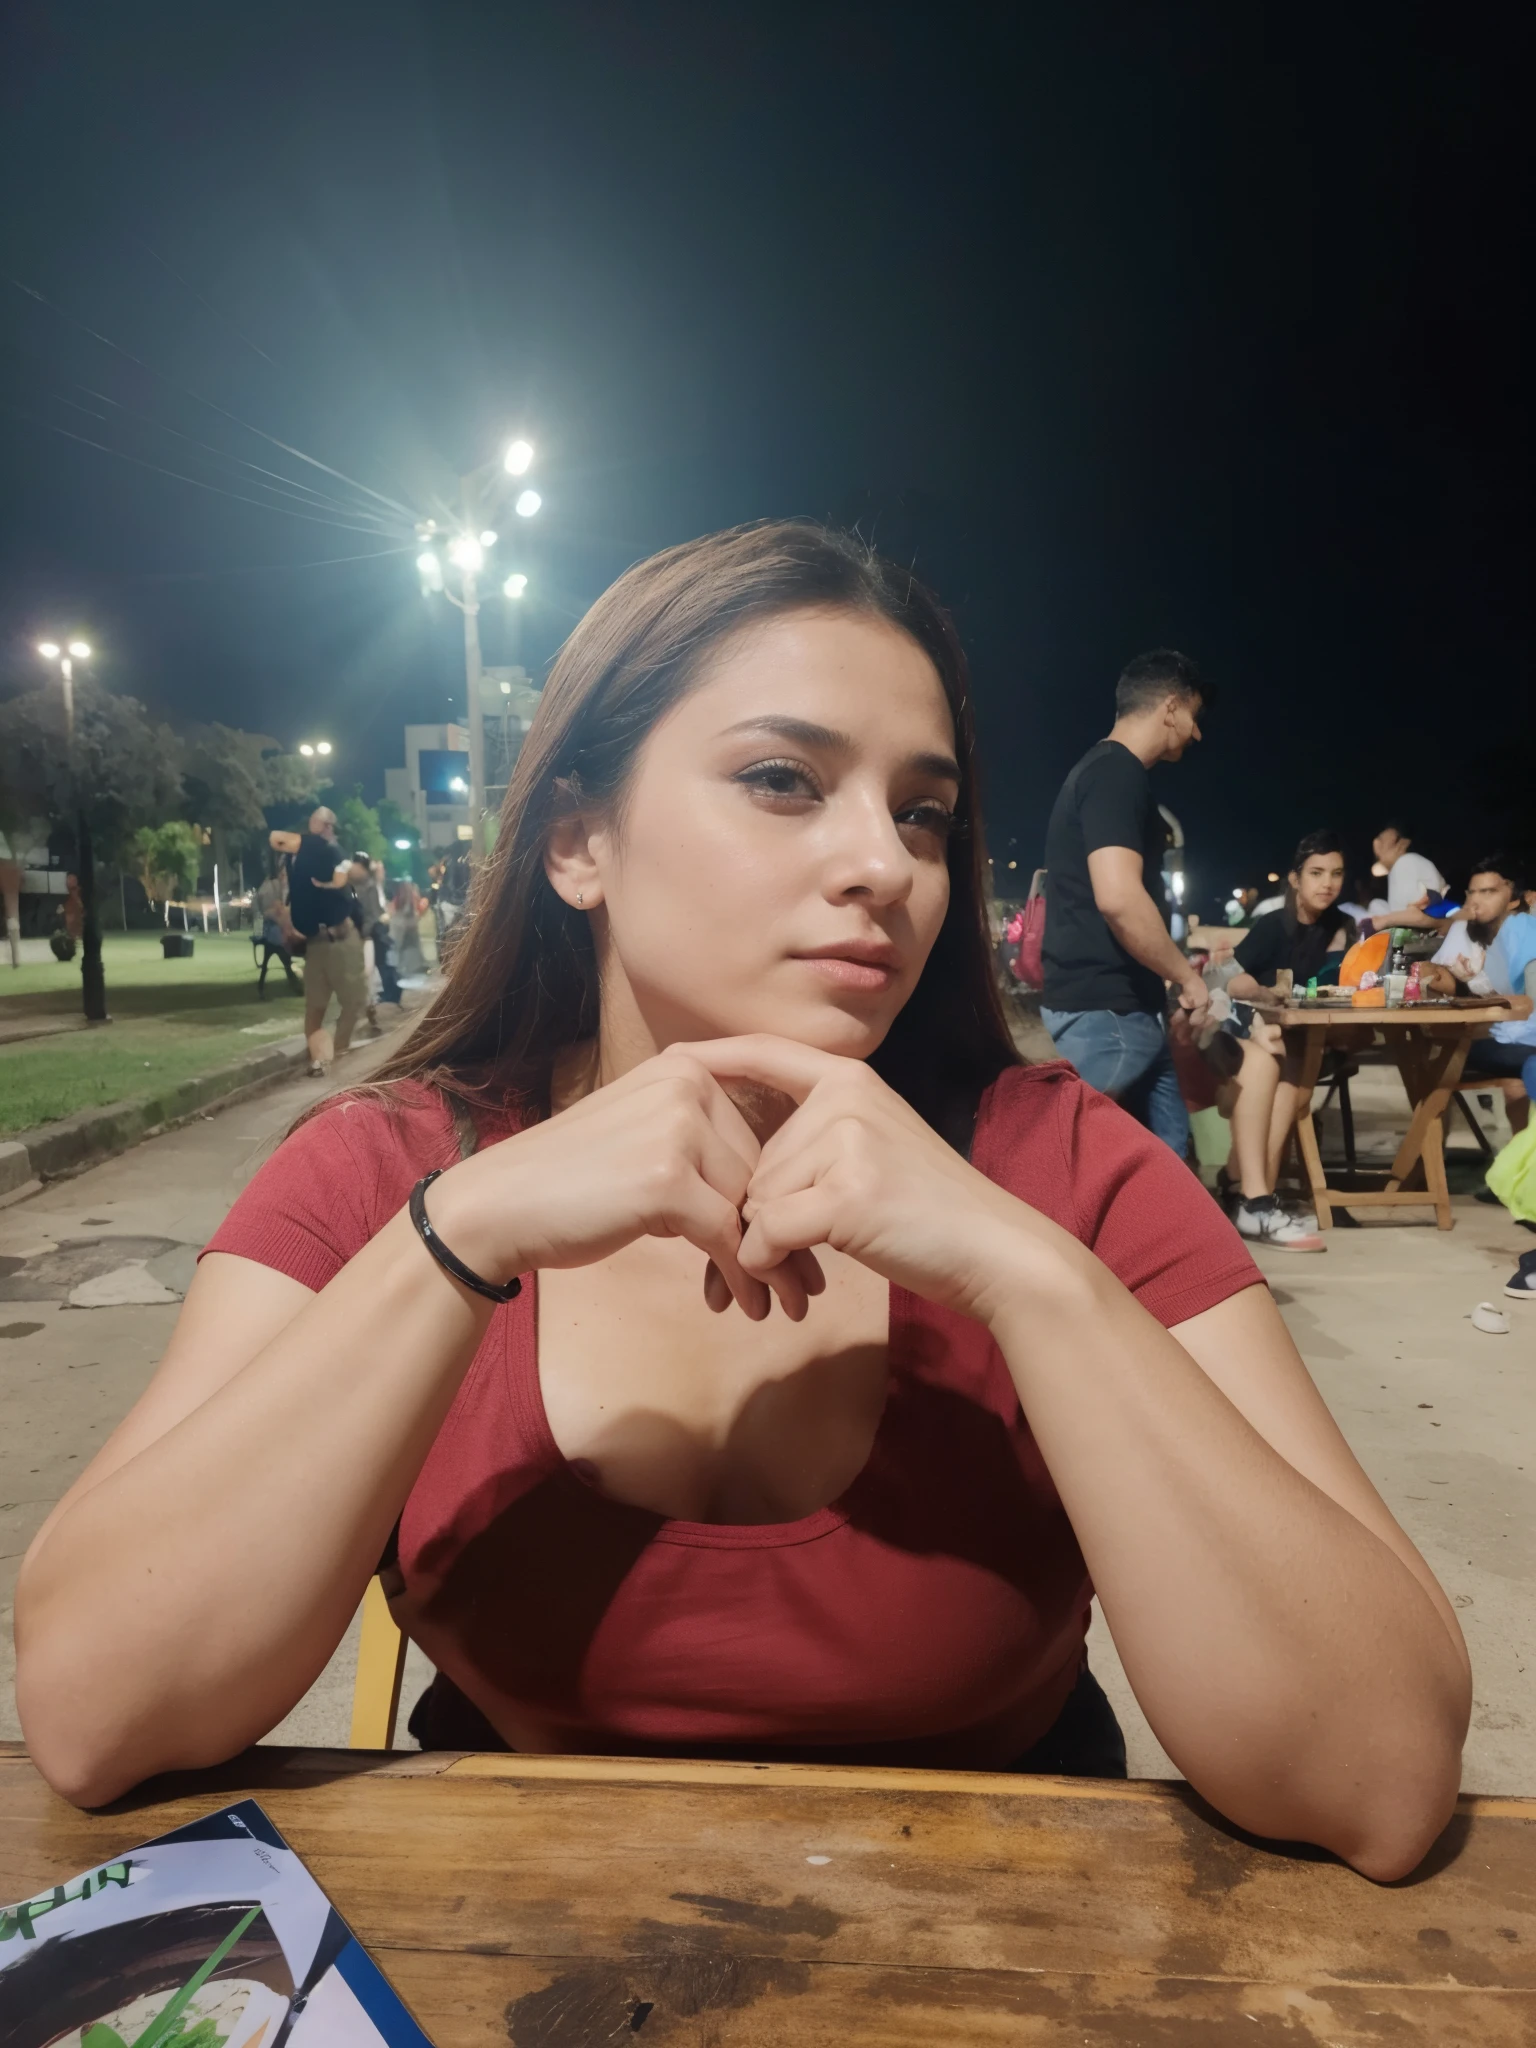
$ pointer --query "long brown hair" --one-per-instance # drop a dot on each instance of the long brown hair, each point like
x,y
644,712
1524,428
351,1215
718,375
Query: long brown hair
x,y
522,980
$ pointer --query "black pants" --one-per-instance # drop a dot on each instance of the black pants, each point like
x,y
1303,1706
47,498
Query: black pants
x,y
1085,1741
272,942
384,961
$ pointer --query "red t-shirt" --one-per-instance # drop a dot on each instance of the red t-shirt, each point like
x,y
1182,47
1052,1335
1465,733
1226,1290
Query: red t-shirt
x,y
934,1614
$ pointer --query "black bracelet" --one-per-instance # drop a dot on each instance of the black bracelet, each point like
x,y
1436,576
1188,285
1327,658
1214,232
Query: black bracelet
x,y
444,1257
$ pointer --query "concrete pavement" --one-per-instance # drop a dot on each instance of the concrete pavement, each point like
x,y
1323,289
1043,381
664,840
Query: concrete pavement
x,y
1442,1417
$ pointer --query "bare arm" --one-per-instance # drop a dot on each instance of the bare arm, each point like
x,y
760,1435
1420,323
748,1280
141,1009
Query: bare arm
x,y
283,842
253,1539
1240,1553
1130,913
193,1582
1289,1645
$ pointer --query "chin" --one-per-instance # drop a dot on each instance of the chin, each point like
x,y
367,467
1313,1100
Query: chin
x,y
851,1033
826,1026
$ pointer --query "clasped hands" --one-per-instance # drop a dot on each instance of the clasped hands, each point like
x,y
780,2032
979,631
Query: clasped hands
x,y
664,1151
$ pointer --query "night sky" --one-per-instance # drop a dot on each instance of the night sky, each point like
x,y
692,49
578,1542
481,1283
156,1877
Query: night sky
x,y
1204,325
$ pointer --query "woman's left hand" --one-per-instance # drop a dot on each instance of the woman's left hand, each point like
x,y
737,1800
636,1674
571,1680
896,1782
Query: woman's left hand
x,y
856,1167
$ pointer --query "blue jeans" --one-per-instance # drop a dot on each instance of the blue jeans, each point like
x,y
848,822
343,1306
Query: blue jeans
x,y
1127,1059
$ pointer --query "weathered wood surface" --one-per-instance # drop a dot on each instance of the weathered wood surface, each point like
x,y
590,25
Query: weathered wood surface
x,y
560,1902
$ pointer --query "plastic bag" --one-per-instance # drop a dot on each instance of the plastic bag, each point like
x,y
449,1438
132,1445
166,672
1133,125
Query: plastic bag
x,y
1512,1176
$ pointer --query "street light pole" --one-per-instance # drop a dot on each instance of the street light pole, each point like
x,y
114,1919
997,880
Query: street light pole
x,y
467,553
93,980
470,606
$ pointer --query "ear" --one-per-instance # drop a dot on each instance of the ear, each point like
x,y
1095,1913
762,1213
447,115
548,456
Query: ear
x,y
571,862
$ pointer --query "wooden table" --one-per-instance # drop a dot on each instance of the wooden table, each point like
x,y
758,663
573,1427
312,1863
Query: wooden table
x,y
1430,1046
557,1902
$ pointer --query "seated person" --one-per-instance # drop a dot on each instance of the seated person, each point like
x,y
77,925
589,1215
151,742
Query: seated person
x,y
1509,1050
1495,901
1493,894
1301,938
725,1037
1413,882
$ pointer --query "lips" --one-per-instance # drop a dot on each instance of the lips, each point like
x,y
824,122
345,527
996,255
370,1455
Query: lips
x,y
868,965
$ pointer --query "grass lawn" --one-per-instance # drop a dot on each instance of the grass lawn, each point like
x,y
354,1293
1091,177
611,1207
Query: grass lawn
x,y
171,1018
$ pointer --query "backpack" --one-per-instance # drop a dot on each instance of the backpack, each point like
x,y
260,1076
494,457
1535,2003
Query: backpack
x,y
1028,965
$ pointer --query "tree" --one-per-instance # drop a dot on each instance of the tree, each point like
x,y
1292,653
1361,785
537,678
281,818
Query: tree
x,y
358,829
232,779
167,858
118,768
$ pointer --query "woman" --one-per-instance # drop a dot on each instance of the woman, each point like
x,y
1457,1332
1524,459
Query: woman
x,y
722,1036
1300,939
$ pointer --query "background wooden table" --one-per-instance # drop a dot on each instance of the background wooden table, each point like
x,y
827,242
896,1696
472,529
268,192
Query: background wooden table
x,y
561,1902
1430,1046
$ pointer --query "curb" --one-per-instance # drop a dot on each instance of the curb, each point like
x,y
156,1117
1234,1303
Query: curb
x,y
55,1150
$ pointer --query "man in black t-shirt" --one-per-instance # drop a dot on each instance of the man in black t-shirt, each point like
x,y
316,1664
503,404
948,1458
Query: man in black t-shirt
x,y
321,903
1301,938
1107,952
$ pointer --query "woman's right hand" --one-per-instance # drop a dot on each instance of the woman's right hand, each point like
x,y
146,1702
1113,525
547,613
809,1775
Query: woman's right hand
x,y
661,1152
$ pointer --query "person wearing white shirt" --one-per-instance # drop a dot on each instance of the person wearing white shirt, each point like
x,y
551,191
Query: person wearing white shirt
x,y
1492,951
1493,892
1410,878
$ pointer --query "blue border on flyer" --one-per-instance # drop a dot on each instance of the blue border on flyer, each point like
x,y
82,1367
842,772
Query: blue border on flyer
x,y
374,1993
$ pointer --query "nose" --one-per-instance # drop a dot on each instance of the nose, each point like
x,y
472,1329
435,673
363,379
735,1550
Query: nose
x,y
866,856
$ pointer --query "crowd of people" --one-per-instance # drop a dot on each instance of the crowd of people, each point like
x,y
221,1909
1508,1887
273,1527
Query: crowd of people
x,y
358,937
1121,1000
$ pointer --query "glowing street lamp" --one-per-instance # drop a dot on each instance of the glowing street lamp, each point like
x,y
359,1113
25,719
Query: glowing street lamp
x,y
93,984
78,650
482,495
404,845
309,750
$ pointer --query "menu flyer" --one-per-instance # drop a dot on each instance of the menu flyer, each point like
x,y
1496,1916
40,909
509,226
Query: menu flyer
x,y
214,1936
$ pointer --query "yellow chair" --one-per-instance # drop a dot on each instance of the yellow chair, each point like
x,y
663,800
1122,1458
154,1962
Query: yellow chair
x,y
380,1668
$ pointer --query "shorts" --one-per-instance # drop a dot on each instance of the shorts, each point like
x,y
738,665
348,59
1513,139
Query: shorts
x,y
334,967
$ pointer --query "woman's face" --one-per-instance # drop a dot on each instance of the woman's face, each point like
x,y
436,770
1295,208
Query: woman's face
x,y
1319,882
780,861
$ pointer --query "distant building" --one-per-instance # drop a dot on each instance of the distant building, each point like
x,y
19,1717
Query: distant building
x,y
433,786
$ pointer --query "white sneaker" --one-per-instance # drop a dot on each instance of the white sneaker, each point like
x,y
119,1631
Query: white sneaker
x,y
1262,1219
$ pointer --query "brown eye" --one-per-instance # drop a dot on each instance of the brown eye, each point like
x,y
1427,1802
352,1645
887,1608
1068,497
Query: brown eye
x,y
929,818
778,778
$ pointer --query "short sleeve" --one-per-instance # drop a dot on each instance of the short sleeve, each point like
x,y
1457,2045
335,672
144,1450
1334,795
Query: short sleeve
x,y
1262,950
1411,876
1142,1211
1112,797
331,1186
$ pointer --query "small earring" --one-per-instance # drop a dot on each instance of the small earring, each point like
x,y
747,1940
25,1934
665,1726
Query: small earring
x,y
580,900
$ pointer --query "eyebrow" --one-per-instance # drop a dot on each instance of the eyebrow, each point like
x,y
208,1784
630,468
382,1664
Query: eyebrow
x,y
801,732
